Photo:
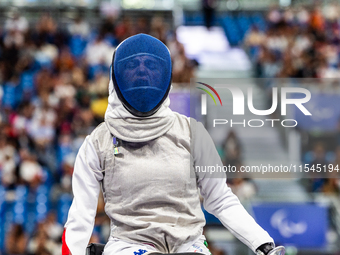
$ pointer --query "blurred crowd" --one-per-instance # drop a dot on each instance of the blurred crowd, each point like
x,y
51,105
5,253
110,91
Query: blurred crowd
x,y
53,92
45,240
232,155
302,42
326,182
299,42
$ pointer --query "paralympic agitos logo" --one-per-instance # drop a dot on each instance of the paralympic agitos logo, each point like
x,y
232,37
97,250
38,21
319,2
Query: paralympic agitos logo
x,y
238,105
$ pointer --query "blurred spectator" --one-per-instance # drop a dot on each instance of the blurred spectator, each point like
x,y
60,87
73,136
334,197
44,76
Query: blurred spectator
x,y
42,125
159,28
108,25
142,26
302,16
319,155
99,85
63,87
253,40
15,27
66,111
98,55
331,186
16,240
243,188
331,11
316,180
182,67
78,78
274,16
65,61
46,28
269,67
30,170
16,22
67,171
53,229
232,149
79,26
288,16
124,29
46,54
41,244
317,21
13,39
332,183
7,162
22,120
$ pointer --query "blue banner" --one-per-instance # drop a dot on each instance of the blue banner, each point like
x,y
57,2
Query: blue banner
x,y
186,103
325,110
301,225
180,102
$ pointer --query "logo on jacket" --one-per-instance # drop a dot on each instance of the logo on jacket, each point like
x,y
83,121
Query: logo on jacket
x,y
139,252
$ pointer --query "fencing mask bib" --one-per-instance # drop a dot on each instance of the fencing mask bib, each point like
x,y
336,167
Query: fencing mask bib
x,y
141,74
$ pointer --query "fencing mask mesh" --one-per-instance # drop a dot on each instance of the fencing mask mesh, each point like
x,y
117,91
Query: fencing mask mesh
x,y
141,74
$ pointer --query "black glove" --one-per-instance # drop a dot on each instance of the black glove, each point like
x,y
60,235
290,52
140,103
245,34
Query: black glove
x,y
269,249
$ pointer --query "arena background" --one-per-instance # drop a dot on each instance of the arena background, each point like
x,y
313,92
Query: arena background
x,y
54,70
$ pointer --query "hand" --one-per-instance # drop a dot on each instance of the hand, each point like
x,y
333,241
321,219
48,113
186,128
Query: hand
x,y
269,249
280,250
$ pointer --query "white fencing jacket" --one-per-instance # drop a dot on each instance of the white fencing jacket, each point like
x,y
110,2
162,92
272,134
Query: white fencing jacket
x,y
151,188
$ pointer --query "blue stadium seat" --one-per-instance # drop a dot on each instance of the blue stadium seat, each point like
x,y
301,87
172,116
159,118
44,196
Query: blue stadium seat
x,y
308,157
27,84
62,152
193,19
20,204
11,96
44,61
64,205
259,21
30,223
211,219
95,69
232,30
48,178
198,19
244,24
77,45
7,221
110,39
2,212
42,202
2,199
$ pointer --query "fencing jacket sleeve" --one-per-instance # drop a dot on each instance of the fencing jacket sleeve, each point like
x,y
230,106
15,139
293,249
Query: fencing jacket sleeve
x,y
86,188
219,200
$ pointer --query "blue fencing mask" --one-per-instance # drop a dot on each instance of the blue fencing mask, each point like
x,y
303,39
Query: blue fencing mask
x,y
141,74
